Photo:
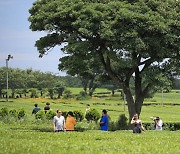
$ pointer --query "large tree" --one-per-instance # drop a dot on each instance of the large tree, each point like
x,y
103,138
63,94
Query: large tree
x,y
130,37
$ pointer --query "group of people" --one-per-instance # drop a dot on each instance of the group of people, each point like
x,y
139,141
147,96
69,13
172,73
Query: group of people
x,y
60,124
36,108
138,127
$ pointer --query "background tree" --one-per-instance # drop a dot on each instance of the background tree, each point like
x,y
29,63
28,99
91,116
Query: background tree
x,y
59,88
2,80
86,66
129,37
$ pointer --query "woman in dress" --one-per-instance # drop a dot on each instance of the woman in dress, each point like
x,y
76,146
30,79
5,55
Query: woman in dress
x,y
137,123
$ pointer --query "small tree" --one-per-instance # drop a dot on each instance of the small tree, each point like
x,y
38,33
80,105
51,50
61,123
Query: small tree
x,y
78,115
122,122
92,115
67,94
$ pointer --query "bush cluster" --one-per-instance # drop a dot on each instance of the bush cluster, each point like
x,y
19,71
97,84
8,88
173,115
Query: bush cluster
x,y
120,124
5,113
42,116
92,115
79,116
82,96
172,126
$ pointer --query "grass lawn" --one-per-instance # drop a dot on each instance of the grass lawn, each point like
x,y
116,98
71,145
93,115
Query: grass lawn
x,y
33,137
169,111
21,139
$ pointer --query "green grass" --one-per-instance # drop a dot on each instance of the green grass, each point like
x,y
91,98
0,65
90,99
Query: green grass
x,y
20,139
114,105
31,136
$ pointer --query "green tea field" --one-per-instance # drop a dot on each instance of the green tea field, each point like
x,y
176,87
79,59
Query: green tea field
x,y
33,136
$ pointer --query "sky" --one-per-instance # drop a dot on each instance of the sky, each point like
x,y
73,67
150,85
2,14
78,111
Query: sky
x,y
18,40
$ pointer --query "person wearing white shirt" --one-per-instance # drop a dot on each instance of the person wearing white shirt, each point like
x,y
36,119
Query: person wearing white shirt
x,y
59,122
157,123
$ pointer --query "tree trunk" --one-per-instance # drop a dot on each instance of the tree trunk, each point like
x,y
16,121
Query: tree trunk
x,y
41,93
84,84
138,91
0,93
13,93
130,101
113,92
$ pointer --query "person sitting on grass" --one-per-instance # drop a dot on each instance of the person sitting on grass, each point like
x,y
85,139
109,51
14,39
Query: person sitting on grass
x,y
104,121
36,109
157,123
137,124
59,122
70,122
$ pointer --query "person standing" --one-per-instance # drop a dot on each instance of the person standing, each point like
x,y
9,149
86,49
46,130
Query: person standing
x,y
137,124
70,122
157,123
59,122
47,107
87,108
104,121
36,109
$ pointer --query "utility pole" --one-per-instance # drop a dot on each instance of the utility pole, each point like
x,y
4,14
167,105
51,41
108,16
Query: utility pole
x,y
162,97
9,57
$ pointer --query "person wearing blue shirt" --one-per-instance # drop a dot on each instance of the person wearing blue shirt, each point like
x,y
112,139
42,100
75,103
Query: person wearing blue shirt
x,y
104,121
36,109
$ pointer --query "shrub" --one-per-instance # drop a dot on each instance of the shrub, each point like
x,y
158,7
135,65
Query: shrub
x,y
65,114
67,94
172,126
78,115
21,113
112,126
13,113
122,122
50,115
82,96
4,112
92,115
40,115
83,126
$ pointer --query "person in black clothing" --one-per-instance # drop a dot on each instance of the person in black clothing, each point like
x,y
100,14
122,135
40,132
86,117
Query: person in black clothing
x,y
137,124
36,109
47,107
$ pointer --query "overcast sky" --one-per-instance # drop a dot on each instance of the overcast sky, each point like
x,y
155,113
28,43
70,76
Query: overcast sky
x,y
18,40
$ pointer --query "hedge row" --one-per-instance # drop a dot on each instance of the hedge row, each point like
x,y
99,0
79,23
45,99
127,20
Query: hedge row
x,y
50,114
5,112
166,126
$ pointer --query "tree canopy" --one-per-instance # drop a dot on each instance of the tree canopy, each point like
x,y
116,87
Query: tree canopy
x,y
138,38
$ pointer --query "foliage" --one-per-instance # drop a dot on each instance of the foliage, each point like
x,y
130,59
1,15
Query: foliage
x,y
40,115
13,113
21,113
112,126
92,115
24,137
122,123
78,115
130,38
50,114
22,80
67,94
65,114
4,112
172,126
82,96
